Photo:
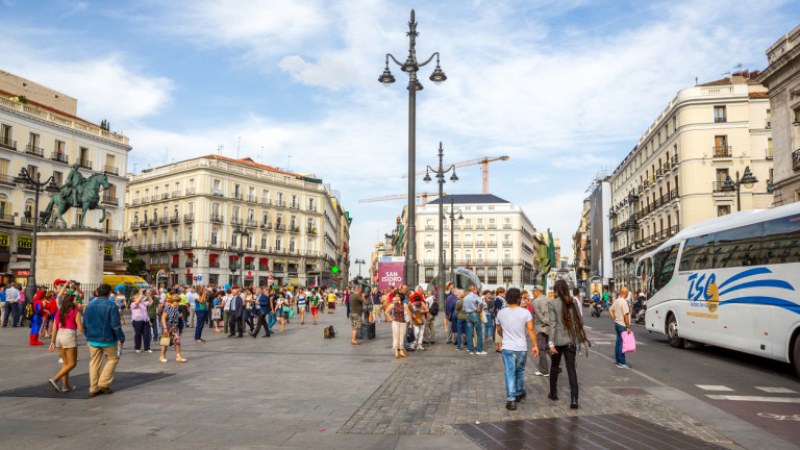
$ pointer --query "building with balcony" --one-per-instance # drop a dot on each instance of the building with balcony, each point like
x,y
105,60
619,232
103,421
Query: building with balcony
x,y
582,247
673,177
186,221
40,131
495,239
782,77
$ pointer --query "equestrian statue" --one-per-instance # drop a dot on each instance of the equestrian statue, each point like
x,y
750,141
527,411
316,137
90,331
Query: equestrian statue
x,y
77,192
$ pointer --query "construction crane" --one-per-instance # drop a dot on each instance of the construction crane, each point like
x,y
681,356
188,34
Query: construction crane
x,y
423,195
484,162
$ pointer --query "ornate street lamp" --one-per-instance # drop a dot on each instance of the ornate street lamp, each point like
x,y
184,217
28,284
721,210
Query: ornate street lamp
x,y
243,234
748,180
411,66
454,214
34,182
359,262
440,172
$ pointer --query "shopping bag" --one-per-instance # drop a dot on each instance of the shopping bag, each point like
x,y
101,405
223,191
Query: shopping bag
x,y
216,314
628,342
291,314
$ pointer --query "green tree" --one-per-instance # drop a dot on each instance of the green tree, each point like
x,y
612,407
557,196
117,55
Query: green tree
x,y
135,264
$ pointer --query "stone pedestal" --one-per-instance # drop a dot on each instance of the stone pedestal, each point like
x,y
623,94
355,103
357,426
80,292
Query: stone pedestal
x,y
70,255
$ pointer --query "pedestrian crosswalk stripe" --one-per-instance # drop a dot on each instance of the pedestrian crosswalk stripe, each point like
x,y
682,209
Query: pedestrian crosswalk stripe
x,y
776,390
714,387
755,398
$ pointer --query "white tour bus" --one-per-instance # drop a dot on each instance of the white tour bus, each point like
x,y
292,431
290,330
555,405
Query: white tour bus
x,y
733,282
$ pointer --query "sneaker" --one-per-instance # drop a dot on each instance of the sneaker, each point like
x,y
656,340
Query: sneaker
x,y
538,374
471,353
137,351
148,351
54,385
622,366
545,375
481,353
511,406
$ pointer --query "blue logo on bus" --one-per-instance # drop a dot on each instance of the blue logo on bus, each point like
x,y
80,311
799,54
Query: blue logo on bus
x,y
704,290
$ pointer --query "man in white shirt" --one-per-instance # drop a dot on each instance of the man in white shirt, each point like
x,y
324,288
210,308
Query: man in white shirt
x,y
13,300
620,314
513,322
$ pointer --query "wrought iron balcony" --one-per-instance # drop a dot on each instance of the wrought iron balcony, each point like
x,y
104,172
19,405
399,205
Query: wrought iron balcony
x,y
60,157
722,151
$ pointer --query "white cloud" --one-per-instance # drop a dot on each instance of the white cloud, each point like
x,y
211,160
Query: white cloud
x,y
266,27
331,73
106,85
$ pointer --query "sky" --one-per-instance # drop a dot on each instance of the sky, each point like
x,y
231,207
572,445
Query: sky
x,y
564,87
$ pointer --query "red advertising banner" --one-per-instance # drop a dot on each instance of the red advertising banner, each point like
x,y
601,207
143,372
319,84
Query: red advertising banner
x,y
390,275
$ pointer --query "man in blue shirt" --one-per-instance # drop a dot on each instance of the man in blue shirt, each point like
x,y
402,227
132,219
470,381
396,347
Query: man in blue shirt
x,y
472,305
262,309
104,337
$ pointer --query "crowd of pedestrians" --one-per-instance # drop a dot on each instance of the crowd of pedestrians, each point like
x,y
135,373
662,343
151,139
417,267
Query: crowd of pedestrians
x,y
471,320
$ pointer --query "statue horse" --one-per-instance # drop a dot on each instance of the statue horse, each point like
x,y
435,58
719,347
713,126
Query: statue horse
x,y
89,199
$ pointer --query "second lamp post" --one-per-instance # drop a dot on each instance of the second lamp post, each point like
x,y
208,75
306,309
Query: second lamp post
x,y
748,180
440,172
411,66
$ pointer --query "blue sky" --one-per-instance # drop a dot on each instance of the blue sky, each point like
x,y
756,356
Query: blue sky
x,y
565,87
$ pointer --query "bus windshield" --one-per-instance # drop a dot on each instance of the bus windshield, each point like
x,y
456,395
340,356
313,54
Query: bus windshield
x,y
663,267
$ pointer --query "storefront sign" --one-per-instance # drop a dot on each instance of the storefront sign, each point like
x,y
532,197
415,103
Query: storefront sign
x,y
390,274
24,243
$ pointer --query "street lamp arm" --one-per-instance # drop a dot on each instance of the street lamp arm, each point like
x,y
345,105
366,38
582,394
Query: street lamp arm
x,y
427,61
391,56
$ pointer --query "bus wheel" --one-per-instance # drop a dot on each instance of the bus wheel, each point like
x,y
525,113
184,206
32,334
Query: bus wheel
x,y
796,354
672,332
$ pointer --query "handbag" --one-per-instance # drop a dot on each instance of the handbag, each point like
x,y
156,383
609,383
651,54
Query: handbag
x,y
165,340
628,342
483,317
410,335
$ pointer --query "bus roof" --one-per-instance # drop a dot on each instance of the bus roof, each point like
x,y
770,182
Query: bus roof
x,y
733,220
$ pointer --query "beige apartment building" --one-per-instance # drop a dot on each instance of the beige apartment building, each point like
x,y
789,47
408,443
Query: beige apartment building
x,y
581,245
675,176
41,132
782,77
218,220
495,239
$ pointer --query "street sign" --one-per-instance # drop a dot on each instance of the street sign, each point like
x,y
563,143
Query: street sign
x,y
195,278
199,278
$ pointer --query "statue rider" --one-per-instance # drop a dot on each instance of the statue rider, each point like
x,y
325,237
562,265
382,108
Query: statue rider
x,y
73,186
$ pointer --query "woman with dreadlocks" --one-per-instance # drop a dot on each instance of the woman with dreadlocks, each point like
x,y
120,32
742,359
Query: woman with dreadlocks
x,y
566,335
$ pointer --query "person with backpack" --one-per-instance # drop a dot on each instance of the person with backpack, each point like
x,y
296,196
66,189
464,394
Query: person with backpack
x,y
430,321
449,312
499,304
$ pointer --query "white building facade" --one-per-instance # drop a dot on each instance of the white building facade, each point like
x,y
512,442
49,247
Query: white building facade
x,y
217,220
40,131
495,239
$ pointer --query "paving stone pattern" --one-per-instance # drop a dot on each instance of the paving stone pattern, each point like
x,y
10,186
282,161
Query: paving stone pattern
x,y
432,390
617,431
